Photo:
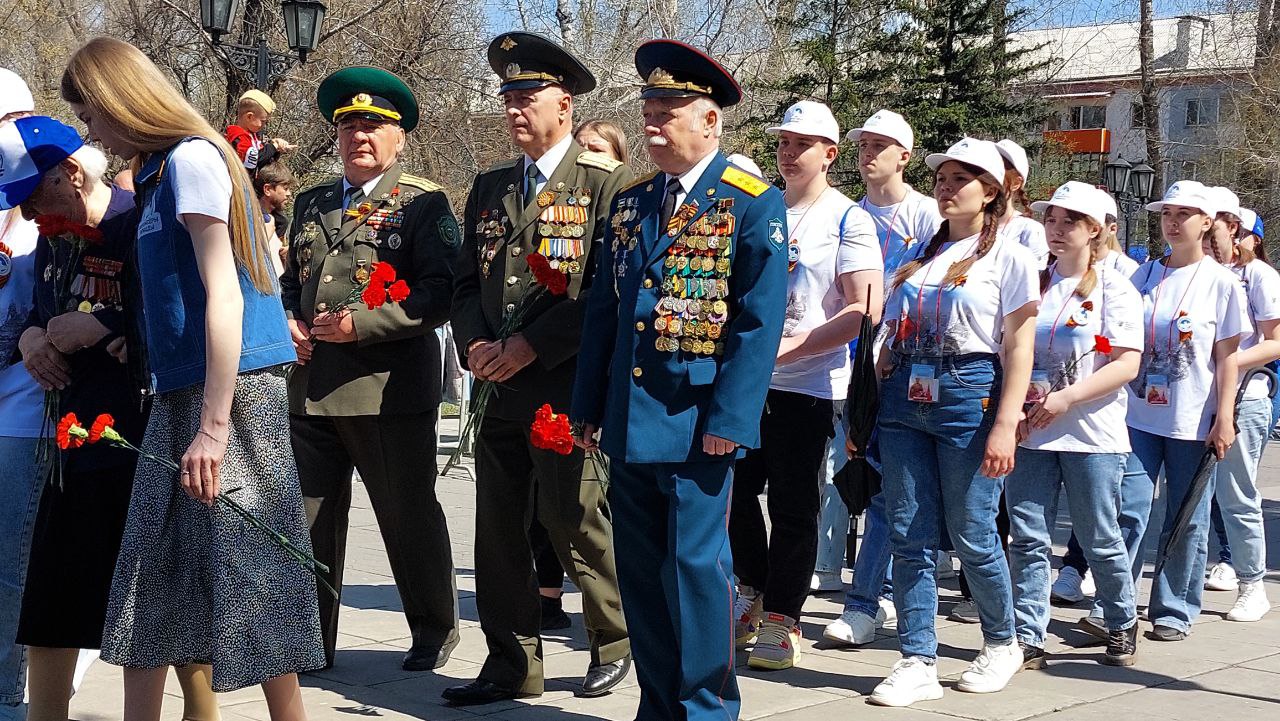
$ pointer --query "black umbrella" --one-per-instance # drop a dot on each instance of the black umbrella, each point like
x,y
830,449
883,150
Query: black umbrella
x,y
857,482
1204,473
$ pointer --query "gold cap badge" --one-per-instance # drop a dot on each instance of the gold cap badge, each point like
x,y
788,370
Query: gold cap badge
x,y
508,43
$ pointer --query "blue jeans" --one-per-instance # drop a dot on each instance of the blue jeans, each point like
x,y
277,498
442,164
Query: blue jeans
x,y
833,522
1092,482
1237,491
872,566
1176,594
20,487
932,453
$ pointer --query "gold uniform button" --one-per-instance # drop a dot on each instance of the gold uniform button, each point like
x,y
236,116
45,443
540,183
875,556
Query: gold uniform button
x,y
322,307
648,283
512,280
640,325
637,371
334,253
511,307
327,278
515,252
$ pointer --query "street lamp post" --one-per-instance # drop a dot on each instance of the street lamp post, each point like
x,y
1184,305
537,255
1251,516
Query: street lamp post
x,y
1131,186
302,22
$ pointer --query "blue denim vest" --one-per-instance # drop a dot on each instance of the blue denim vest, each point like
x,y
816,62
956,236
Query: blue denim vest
x,y
173,295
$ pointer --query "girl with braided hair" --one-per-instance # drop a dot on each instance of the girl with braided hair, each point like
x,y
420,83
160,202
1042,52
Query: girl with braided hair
x,y
959,326
1017,223
1088,346
1236,489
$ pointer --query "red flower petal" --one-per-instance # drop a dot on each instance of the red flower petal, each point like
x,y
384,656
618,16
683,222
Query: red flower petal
x,y
1102,344
374,296
102,423
382,273
398,291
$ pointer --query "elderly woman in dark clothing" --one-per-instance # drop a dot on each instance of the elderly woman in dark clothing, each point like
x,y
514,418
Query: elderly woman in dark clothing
x,y
79,319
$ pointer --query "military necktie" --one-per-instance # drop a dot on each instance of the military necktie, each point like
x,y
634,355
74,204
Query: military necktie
x,y
530,184
669,203
352,197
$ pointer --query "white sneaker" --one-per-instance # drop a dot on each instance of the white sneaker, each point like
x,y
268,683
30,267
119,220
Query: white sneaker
x,y
888,613
826,582
1222,577
747,608
1251,604
853,628
911,680
946,566
1069,587
992,669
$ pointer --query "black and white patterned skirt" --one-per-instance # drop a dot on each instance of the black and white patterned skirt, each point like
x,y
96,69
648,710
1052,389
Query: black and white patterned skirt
x,y
201,585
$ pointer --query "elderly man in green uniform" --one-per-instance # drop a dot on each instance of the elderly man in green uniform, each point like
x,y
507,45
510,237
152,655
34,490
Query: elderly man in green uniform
x,y
364,392
553,200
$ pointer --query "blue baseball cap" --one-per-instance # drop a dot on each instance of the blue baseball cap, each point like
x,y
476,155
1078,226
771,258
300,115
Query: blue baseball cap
x,y
1251,222
29,148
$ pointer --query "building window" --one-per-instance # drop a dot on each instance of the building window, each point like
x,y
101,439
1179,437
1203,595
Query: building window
x,y
1201,112
1139,117
1088,117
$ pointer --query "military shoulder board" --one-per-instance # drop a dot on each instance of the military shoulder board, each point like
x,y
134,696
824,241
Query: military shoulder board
x,y
420,183
638,181
744,181
600,161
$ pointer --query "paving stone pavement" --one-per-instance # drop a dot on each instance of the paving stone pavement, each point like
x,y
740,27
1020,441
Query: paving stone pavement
x,y
1224,670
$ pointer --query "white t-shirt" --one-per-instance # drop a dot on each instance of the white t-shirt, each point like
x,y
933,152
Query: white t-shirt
x,y
1261,285
1065,328
828,239
1118,262
1185,311
904,227
201,183
1027,231
922,318
21,399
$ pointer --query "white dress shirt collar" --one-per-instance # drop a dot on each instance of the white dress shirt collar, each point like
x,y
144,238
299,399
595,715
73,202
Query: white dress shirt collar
x,y
690,177
549,161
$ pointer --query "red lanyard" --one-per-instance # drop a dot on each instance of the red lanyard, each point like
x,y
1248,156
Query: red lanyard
x,y
1054,330
937,311
1155,304
888,231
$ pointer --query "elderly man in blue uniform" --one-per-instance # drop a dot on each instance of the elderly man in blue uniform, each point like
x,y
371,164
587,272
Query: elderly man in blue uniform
x,y
680,337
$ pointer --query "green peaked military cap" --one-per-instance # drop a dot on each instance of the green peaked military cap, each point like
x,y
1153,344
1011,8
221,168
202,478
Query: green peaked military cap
x,y
369,91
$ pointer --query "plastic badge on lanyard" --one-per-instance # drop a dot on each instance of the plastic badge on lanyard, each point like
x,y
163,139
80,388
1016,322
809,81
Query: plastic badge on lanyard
x,y
923,386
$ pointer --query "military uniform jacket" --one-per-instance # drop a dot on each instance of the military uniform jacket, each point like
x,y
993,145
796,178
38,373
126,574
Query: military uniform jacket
x,y
567,224
684,322
394,366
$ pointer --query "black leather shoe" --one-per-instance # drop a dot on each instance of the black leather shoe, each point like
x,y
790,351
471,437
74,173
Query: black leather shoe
x,y
553,616
600,679
477,692
427,658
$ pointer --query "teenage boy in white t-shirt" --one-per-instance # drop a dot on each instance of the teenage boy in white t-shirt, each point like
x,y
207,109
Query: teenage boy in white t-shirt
x,y
904,218
834,278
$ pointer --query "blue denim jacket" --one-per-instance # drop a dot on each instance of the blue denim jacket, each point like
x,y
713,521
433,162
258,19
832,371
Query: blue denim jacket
x,y
173,294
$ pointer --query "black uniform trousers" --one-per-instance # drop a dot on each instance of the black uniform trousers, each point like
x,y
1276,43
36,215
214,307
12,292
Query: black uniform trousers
x,y
396,457
512,478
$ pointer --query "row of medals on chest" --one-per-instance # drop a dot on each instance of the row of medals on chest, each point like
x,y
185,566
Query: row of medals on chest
x,y
92,289
692,312
389,216
561,228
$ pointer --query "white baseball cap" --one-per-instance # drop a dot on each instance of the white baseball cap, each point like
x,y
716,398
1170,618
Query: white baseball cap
x,y
1248,221
982,154
808,117
1078,197
1112,209
889,124
746,164
1187,193
1227,201
15,96
1016,156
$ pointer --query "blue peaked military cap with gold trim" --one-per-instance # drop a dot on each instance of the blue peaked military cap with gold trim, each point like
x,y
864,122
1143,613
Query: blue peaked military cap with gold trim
x,y
670,68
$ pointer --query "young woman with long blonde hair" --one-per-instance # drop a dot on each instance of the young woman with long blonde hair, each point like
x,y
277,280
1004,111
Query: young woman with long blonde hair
x,y
193,583
959,334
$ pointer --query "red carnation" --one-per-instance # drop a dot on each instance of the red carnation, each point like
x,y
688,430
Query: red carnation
x,y
1102,344
551,431
398,291
70,433
555,282
51,226
374,295
382,273
102,423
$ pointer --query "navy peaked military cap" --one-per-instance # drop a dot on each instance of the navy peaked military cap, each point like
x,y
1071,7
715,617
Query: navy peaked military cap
x,y
670,68
526,60
368,91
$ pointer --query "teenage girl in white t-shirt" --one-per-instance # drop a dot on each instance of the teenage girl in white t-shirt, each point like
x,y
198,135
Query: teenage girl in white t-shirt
x,y
1088,346
1183,397
1237,494
834,278
959,335
1017,223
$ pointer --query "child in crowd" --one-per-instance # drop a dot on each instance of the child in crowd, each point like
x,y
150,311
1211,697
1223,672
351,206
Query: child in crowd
x,y
253,110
